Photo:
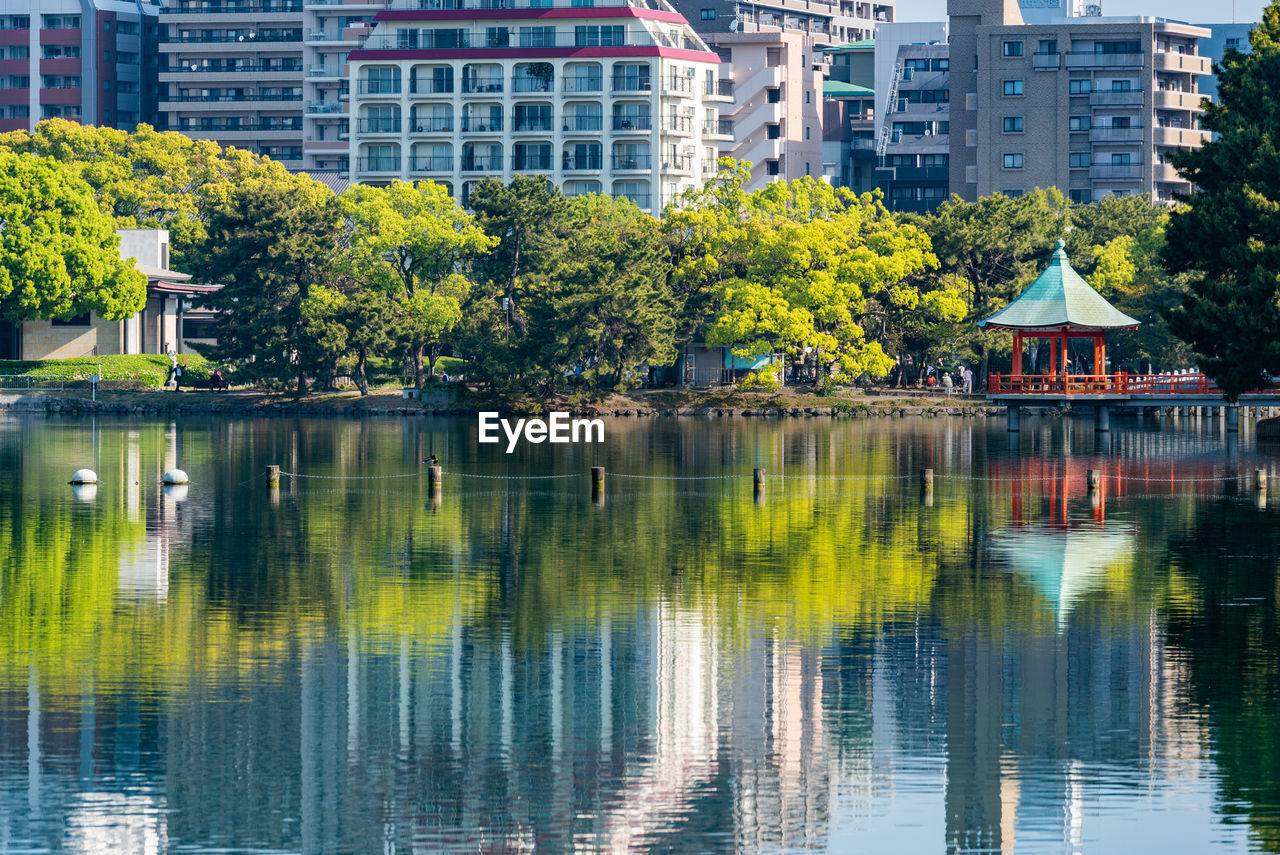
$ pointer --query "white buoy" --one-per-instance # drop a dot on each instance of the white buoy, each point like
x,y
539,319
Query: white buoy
x,y
85,492
84,476
176,476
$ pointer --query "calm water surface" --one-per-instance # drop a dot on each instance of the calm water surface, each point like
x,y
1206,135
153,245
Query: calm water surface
x,y
1006,665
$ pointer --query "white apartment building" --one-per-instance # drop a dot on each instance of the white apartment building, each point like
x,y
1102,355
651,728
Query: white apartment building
x,y
599,96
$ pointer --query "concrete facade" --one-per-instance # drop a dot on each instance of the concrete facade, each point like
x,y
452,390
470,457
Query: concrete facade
x,y
776,116
90,61
1222,36
1091,106
158,328
824,23
612,98
913,141
331,30
848,116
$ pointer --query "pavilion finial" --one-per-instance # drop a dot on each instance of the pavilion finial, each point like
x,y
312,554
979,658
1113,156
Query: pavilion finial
x,y
1060,244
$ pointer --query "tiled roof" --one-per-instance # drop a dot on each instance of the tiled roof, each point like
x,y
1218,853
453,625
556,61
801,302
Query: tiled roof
x,y
1059,298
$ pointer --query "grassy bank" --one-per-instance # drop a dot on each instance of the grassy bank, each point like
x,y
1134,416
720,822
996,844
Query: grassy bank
x,y
142,371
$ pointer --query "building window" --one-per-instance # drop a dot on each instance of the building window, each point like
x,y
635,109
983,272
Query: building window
x,y
773,131
1012,193
1048,47
77,321
1079,123
1013,87
772,167
1083,86
1080,159
1013,161
1121,158
1080,197
708,14
773,95
1121,85
806,96
1013,124
806,132
1012,49
1234,44
106,26
1117,47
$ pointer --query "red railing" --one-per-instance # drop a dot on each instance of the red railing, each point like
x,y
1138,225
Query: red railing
x,y
1101,384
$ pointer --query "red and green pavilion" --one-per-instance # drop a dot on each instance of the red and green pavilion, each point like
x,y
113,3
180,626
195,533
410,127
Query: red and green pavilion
x,y
1059,306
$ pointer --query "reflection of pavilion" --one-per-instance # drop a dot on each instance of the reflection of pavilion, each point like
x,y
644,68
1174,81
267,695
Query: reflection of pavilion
x,y
1063,565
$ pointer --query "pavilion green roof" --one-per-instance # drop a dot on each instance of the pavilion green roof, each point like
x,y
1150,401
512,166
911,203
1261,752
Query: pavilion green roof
x,y
1059,298
840,89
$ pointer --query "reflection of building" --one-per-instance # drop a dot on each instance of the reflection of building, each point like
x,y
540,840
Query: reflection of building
x,y
166,322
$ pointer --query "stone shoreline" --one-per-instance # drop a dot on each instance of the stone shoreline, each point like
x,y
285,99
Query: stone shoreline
x,y
81,406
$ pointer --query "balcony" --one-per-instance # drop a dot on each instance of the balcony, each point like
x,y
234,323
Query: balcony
x,y
531,162
320,72
482,164
378,126
378,87
1168,99
324,108
431,163
720,89
626,162
632,124
641,200
1089,59
678,125
719,128
248,40
532,84
678,163
231,8
531,125
332,37
632,84
579,124
1186,62
432,125
489,125
431,87
582,83
1046,61
679,83
589,163
1182,137
1102,134
245,68
378,164
1165,172
487,5
480,86
1116,172
1116,98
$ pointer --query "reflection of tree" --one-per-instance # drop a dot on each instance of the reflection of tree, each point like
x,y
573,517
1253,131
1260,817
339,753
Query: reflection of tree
x,y
1231,632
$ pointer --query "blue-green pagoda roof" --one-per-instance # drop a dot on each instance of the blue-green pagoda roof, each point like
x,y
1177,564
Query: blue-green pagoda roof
x,y
1059,298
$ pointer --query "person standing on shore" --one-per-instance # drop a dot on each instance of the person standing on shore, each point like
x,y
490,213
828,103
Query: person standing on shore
x,y
968,380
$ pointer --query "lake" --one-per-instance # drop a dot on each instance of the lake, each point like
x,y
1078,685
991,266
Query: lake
x,y
844,663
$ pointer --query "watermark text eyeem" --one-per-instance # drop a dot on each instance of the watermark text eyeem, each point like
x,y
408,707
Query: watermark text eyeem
x,y
559,428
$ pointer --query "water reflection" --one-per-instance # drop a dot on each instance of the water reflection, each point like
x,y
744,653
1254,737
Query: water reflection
x,y
341,667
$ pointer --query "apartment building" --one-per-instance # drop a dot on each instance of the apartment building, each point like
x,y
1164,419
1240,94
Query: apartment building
x,y
1222,37
825,23
913,139
775,121
331,30
848,116
617,97
90,61
231,71
1092,105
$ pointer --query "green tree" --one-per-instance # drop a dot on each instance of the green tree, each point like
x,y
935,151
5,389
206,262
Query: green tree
x,y
60,253
1227,236
604,306
530,222
152,179
415,243
993,248
271,245
790,268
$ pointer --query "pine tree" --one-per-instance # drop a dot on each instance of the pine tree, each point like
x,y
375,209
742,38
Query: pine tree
x,y
1227,237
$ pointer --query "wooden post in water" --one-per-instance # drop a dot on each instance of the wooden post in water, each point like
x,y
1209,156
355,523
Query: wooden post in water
x,y
597,484
435,477
273,476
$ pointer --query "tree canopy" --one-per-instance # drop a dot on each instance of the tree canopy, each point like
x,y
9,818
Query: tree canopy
x,y
60,254
1227,236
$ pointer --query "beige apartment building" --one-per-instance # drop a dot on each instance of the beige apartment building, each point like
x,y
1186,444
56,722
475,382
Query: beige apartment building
x,y
1092,106
776,118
